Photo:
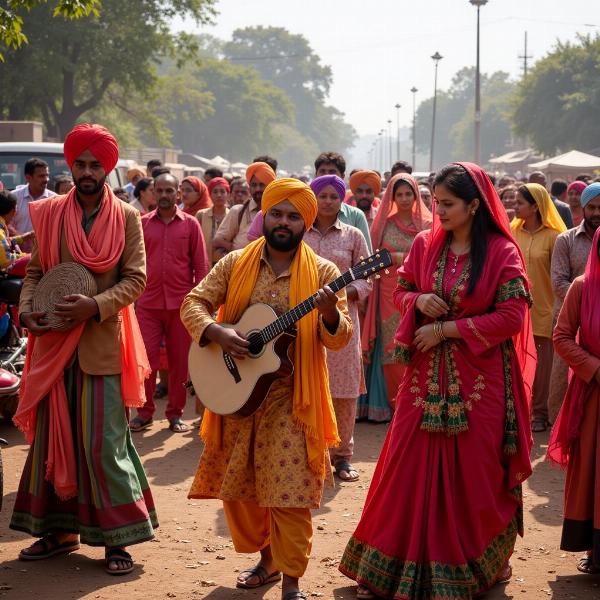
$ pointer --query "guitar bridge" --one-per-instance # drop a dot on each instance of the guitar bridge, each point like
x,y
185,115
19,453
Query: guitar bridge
x,y
232,367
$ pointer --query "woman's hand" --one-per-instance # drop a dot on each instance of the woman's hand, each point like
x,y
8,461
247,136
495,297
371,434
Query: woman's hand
x,y
425,338
432,305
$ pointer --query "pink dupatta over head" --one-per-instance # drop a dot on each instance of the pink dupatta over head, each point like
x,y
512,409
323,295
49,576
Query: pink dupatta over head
x,y
49,355
568,424
523,342
421,220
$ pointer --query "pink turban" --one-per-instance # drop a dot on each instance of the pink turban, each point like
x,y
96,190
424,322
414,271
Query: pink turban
x,y
95,138
215,181
578,186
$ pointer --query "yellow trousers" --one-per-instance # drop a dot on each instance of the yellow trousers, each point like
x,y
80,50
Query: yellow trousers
x,y
287,530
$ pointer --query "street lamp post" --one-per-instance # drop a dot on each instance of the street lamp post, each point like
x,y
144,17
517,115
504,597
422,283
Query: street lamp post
x,y
414,91
478,4
389,122
436,59
380,140
397,107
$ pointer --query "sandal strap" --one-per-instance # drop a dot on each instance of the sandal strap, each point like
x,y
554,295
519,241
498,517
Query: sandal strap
x,y
113,554
257,571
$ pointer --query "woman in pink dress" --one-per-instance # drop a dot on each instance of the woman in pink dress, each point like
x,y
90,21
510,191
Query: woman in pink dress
x,y
401,215
574,441
344,246
445,506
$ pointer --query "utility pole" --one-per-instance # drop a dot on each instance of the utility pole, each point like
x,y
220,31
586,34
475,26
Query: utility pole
x,y
436,59
414,90
525,57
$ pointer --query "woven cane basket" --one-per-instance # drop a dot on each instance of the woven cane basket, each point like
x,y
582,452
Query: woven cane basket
x,y
60,281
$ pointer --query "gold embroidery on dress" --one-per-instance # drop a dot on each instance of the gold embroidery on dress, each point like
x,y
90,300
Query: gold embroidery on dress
x,y
477,333
475,395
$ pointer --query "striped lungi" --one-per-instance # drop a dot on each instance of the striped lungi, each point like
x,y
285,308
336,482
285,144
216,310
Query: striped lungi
x,y
114,506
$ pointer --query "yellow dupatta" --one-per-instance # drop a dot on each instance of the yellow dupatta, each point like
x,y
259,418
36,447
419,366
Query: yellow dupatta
x,y
312,407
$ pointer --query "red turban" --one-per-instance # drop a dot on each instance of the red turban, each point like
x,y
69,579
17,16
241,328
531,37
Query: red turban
x,y
215,181
369,178
95,138
262,171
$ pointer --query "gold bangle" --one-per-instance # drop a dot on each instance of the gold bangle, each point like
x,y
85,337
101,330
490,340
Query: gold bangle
x,y
442,336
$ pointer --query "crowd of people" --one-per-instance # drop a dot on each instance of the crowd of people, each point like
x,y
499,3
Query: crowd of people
x,y
455,346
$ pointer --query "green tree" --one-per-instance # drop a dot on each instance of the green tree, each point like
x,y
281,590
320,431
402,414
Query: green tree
x,y
11,21
558,104
454,134
289,62
496,103
69,68
245,111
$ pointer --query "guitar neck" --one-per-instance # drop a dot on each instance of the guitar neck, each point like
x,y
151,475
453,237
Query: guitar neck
x,y
285,321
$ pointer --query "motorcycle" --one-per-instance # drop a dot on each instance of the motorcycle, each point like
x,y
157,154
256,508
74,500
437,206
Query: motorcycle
x,y
13,345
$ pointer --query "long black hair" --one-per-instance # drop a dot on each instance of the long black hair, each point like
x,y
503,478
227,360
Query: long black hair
x,y
459,182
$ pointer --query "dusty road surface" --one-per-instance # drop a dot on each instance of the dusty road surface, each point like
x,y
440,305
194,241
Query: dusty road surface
x,y
192,556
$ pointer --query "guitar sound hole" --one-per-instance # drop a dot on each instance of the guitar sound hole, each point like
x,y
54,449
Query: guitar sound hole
x,y
256,344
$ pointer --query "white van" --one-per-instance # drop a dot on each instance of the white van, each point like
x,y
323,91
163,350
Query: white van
x,y
14,155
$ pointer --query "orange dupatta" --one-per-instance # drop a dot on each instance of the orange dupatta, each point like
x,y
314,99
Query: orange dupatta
x,y
49,355
312,407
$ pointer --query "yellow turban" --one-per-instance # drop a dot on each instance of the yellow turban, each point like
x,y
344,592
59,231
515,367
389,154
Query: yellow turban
x,y
262,171
297,192
369,178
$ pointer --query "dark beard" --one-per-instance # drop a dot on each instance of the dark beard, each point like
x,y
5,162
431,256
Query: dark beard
x,y
91,191
282,245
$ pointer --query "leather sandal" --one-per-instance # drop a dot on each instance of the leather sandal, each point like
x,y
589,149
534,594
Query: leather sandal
x,y
294,596
138,424
263,578
116,555
51,546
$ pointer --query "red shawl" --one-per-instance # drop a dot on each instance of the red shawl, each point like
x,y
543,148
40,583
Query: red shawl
x,y
49,355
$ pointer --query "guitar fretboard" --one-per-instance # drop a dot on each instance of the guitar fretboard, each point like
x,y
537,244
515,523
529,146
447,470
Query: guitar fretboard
x,y
285,321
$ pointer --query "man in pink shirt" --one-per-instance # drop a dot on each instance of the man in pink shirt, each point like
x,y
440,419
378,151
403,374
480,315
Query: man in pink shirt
x,y
176,263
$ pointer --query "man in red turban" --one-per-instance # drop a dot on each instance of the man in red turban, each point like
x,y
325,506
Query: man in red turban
x,y
83,481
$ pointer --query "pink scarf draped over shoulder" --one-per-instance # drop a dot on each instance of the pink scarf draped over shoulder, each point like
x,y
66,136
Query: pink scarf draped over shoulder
x,y
49,355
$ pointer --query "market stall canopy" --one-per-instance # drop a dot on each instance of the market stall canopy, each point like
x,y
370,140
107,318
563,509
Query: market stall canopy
x,y
515,158
571,163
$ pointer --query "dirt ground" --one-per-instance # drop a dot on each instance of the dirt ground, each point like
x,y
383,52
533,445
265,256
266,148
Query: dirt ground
x,y
192,555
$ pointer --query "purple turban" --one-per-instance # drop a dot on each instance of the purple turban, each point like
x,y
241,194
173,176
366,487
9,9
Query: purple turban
x,y
337,183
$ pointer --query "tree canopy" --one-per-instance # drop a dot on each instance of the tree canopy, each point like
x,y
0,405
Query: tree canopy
x,y
558,103
69,67
454,134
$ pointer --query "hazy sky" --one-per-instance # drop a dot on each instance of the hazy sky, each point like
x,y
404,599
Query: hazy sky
x,y
379,49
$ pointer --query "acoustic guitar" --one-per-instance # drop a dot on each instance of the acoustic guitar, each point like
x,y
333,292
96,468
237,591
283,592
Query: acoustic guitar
x,y
227,386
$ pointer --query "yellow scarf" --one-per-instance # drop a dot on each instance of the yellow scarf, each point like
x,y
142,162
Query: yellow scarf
x,y
312,407
549,215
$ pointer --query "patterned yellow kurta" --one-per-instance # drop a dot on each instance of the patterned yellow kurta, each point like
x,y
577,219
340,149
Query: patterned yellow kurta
x,y
263,458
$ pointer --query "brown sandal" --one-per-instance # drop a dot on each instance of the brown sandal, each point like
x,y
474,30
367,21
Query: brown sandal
x,y
263,578
51,546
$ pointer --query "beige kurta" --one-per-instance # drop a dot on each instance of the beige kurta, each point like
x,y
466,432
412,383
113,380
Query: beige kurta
x,y
263,458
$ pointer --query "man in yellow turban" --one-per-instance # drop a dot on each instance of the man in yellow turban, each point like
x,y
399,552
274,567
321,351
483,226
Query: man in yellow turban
x,y
269,468
233,231
366,186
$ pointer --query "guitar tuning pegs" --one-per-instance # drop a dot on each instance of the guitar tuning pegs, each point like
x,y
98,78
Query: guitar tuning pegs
x,y
387,271
377,276
362,258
